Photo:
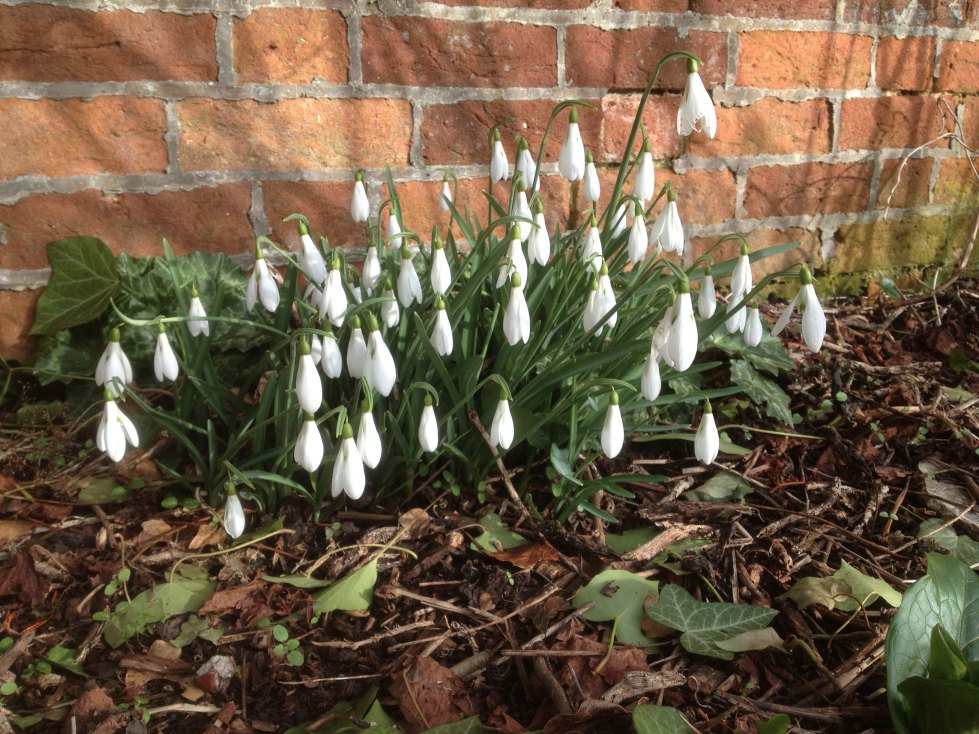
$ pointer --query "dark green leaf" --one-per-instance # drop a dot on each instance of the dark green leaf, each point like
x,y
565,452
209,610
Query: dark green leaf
x,y
650,719
763,391
83,279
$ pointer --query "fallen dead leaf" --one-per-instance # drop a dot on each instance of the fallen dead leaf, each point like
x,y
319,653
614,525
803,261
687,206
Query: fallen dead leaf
x,y
527,556
207,535
429,695
153,530
24,581
10,530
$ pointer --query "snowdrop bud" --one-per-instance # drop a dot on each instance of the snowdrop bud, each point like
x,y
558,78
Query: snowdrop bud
x,y
592,186
651,382
261,285
682,344
740,286
113,369
638,239
441,275
372,269
309,446
334,301
394,230
613,434
356,351
197,324
445,198
813,316
501,429
539,246
115,429
234,515
315,348
645,183
752,333
592,249
409,286
368,439
442,332
311,260
696,109
165,365
661,335
707,300
526,167
428,428
522,209
516,318
499,166
360,207
348,469
309,388
331,360
707,442
571,160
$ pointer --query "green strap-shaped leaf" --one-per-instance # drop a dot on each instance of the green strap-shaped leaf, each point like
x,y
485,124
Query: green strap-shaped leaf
x,y
83,279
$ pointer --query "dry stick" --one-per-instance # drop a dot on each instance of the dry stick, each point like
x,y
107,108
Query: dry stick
x,y
954,520
376,638
554,690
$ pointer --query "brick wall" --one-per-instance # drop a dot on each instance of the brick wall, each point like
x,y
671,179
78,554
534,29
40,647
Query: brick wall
x,y
208,121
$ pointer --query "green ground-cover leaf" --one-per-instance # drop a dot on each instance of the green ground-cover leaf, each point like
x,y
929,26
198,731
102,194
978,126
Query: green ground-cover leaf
x,y
961,546
471,725
762,390
618,595
650,719
350,718
630,539
722,487
83,279
496,536
778,724
350,594
866,589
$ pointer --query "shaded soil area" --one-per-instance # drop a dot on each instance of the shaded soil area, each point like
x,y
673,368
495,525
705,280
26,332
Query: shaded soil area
x,y
453,629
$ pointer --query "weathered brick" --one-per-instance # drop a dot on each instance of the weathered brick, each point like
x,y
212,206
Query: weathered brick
x,y
45,43
906,63
702,196
325,204
626,59
913,13
957,183
807,188
769,126
459,133
809,250
911,189
783,9
207,218
540,4
293,133
291,45
659,117
444,53
890,122
970,123
785,59
958,70
17,310
68,137
651,6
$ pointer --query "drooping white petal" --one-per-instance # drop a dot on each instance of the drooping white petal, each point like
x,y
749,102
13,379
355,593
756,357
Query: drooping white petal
x,y
360,207
380,372
348,471
309,446
539,246
696,110
502,429
516,262
813,318
197,324
394,231
390,313
783,320
315,348
741,279
441,275
516,318
356,353
571,160
441,338
605,302
752,333
592,249
661,335
682,345
409,286
115,431
165,365
268,289
527,169
311,259
371,270
620,222
445,198
645,184
707,300
707,442
331,359
613,434
592,186
334,301
651,383
234,517
369,441
428,429
113,370
251,290
309,387
638,240
499,165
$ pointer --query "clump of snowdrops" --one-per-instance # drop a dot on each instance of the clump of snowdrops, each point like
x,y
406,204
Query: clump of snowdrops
x,y
501,344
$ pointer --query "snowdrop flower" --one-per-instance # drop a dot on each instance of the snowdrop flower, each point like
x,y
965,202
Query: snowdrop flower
x,y
113,365
813,317
645,183
313,295
526,167
309,388
315,348
661,335
309,446
445,198
394,230
390,314
696,109
521,209
740,286
601,303
592,186
539,244
571,161
311,260
348,469
499,165
360,207
261,285
197,323
442,332
165,365
441,275
409,286
331,360
592,248
613,434
501,429
620,222
379,370
707,442
707,300
516,318
682,344
752,333
651,383
667,231
234,515
356,351
115,430
368,439
638,238
428,427
334,302
371,270
515,262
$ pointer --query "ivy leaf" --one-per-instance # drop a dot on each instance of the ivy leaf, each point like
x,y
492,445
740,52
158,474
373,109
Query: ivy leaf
x,y
496,536
83,279
762,391
649,719
350,594
753,640
618,595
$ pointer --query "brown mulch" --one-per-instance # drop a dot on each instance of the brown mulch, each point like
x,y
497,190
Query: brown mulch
x,y
453,632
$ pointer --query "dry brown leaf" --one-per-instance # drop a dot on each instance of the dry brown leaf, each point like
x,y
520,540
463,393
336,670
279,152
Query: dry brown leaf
x,y
153,531
10,530
23,580
528,555
235,598
429,694
207,535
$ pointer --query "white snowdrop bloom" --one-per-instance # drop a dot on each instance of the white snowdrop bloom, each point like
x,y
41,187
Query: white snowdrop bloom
x,y
409,286
309,445
502,429
380,371
571,160
592,253
313,295
394,230
682,344
315,348
356,351
311,260
113,369
638,239
620,222
371,270
234,515
526,167
741,282
667,231
516,318
707,442
441,274
592,186
445,198
369,440
360,207
428,427
309,387
651,383
515,262
262,286
613,433
441,338
348,468
696,110
197,323
813,316
115,430
165,365
661,335
645,184
499,165
334,301
390,313
601,303
707,300
752,333
539,244
521,209
331,359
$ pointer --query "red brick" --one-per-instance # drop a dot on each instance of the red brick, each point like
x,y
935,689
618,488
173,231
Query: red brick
x,y
957,183
459,133
291,46
626,59
890,122
809,250
958,70
206,218
970,123
911,189
782,9
293,133
906,63
45,43
913,13
16,318
659,117
325,204
785,59
702,196
808,188
769,126
444,53
70,137
653,6
537,4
